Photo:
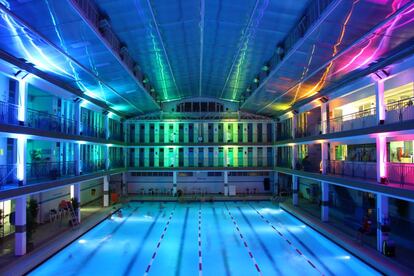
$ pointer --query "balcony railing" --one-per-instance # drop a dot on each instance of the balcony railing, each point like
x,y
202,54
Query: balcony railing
x,y
365,170
92,131
310,130
402,173
49,170
357,120
283,136
202,163
90,166
400,111
7,175
45,121
116,163
8,113
117,136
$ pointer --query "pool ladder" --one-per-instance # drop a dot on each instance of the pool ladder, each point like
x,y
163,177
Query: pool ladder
x,y
74,221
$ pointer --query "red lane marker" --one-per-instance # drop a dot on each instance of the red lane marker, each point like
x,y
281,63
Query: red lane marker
x,y
280,234
159,243
200,259
244,242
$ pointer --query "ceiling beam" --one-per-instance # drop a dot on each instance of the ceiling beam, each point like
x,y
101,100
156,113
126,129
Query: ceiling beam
x,y
162,45
344,50
59,50
243,38
326,12
100,37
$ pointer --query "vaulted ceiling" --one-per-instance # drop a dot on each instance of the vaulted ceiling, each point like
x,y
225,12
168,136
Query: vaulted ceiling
x,y
267,55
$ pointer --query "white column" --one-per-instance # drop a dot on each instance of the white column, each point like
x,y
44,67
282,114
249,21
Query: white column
x,y
174,191
22,100
106,191
295,190
226,183
20,226
21,159
324,201
380,105
75,192
381,148
382,221
324,118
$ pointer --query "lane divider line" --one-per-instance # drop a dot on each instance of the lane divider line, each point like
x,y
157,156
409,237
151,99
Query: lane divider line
x,y
286,239
244,241
159,242
200,258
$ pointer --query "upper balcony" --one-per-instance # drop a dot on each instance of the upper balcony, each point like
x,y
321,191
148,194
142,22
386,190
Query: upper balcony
x,y
260,163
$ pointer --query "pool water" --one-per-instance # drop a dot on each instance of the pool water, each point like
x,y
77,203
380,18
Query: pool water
x,y
220,238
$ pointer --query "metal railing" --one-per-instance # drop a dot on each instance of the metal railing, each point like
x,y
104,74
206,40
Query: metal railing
x,y
402,173
8,113
357,120
283,136
50,170
309,130
45,121
400,111
89,10
7,175
263,162
90,166
312,14
116,163
365,170
92,131
117,136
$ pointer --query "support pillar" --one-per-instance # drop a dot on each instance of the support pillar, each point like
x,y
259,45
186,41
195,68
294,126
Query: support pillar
x,y
381,147
174,190
106,191
226,183
324,118
21,160
380,105
20,226
324,201
382,221
75,192
106,126
295,190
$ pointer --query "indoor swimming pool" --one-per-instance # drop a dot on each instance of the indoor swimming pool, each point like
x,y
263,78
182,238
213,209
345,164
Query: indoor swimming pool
x,y
220,238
